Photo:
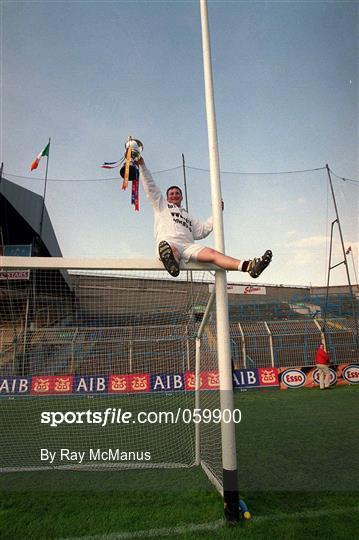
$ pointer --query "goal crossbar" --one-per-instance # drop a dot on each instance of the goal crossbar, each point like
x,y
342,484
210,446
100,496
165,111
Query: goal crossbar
x,y
65,263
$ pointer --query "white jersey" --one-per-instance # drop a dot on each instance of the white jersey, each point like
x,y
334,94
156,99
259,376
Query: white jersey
x,y
172,223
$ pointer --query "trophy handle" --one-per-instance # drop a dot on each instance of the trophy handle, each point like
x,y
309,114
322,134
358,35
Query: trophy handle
x,y
139,144
137,141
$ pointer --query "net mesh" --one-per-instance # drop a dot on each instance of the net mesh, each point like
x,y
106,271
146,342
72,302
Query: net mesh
x,y
79,341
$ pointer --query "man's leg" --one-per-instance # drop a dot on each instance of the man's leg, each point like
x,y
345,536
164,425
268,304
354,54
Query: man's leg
x,y
254,267
215,257
327,377
321,376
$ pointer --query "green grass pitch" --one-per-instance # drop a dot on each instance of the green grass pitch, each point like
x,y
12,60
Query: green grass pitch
x,y
297,464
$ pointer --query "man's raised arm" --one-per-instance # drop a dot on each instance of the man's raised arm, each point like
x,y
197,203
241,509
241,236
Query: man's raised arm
x,y
152,191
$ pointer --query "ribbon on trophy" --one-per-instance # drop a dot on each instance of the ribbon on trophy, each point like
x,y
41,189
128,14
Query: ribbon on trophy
x,y
125,170
129,168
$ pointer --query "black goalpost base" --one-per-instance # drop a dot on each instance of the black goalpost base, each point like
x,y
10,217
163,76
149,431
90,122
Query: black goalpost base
x,y
231,496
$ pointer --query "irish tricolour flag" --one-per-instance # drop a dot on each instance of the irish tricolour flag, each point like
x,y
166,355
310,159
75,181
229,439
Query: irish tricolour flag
x,y
36,161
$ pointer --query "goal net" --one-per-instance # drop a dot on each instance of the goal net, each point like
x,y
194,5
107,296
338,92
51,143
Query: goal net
x,y
98,369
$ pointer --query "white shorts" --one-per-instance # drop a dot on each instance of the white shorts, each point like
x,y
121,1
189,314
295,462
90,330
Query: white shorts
x,y
187,251
190,251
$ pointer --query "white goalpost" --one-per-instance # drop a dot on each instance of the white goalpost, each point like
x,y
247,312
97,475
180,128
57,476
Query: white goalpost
x,y
229,454
96,264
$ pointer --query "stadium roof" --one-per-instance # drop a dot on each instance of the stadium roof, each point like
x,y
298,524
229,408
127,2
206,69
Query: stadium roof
x,y
20,219
28,207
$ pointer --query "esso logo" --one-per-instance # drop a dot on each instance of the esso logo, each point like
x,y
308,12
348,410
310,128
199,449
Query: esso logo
x,y
294,378
351,374
333,376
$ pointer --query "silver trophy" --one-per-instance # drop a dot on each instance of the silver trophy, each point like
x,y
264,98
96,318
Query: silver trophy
x,y
133,148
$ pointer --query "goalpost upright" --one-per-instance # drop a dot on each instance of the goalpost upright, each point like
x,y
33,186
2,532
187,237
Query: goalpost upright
x,y
229,454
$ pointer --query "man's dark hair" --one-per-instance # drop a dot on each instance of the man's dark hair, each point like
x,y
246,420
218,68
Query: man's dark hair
x,y
172,187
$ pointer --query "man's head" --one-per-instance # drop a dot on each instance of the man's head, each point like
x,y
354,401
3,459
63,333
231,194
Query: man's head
x,y
174,195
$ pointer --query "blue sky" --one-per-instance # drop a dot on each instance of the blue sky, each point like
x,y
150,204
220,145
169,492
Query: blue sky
x,y
88,74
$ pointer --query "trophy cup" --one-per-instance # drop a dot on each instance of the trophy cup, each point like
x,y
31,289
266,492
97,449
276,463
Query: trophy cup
x,y
129,170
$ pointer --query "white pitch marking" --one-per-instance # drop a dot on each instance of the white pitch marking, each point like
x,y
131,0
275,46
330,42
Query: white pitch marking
x,y
211,526
168,531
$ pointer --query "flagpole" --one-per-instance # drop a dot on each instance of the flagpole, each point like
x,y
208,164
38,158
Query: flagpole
x,y
45,187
